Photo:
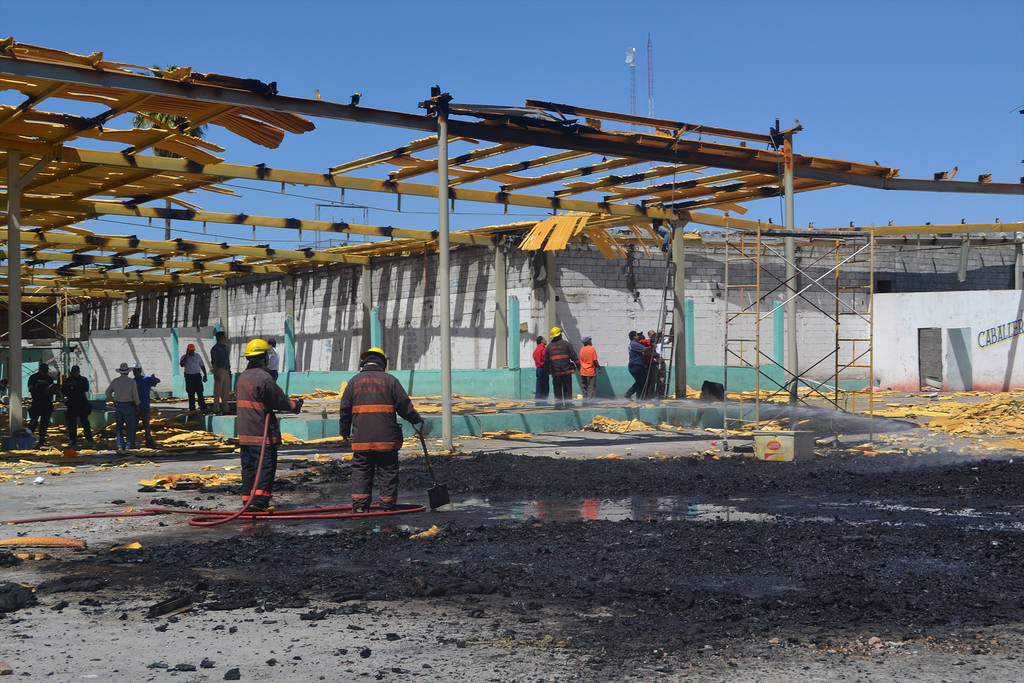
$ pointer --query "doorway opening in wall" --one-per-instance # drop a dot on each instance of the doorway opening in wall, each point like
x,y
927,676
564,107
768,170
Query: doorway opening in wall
x,y
929,357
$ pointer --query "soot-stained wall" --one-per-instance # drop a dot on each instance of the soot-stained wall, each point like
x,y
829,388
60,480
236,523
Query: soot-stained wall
x,y
597,297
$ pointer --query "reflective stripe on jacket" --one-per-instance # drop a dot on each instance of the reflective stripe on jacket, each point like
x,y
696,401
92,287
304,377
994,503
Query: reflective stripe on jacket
x,y
257,395
369,408
560,358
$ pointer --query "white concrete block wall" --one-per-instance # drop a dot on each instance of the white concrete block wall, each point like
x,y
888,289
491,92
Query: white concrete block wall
x,y
328,318
597,297
107,349
994,318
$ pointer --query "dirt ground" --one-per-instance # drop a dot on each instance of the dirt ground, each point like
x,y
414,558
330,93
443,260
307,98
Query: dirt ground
x,y
673,561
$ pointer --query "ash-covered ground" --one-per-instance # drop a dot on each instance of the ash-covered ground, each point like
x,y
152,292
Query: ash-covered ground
x,y
855,566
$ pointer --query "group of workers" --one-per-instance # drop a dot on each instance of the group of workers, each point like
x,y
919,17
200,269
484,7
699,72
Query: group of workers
x,y
556,362
130,396
370,405
196,375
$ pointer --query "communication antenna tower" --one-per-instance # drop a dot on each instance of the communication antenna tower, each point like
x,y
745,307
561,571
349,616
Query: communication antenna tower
x,y
631,63
650,76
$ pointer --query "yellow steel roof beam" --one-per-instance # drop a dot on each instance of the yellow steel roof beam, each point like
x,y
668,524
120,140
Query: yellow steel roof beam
x,y
570,173
936,229
181,246
519,166
374,159
121,209
233,171
612,180
422,166
81,259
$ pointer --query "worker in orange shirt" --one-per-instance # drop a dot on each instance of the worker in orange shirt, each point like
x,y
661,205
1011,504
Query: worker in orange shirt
x,y
589,367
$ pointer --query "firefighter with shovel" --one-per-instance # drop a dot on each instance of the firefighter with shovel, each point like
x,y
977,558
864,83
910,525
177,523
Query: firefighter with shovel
x,y
369,406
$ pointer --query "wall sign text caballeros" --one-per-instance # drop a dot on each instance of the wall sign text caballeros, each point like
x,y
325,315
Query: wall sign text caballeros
x,y
1000,333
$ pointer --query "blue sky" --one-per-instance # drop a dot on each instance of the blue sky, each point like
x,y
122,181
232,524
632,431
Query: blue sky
x,y
922,86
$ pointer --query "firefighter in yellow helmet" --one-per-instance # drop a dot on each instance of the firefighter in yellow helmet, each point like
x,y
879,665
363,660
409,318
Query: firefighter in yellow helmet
x,y
258,396
561,362
369,406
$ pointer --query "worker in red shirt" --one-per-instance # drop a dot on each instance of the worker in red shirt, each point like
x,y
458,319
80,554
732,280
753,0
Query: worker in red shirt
x,y
543,384
589,367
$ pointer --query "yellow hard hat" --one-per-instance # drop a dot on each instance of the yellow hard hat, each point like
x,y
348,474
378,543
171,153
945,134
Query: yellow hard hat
x,y
556,332
374,349
256,347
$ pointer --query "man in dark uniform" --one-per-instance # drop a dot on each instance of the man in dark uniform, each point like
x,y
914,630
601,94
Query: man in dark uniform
x,y
77,407
368,408
41,387
561,361
258,396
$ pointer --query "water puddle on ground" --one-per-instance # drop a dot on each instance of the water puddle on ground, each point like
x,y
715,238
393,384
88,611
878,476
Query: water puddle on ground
x,y
676,509
640,509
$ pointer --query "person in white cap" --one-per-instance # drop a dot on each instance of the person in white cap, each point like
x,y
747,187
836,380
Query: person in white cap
x,y
145,384
125,395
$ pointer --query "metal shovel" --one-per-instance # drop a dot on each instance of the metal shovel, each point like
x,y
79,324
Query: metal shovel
x,y
437,494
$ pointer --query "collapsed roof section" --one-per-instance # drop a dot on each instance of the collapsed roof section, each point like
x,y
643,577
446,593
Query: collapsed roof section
x,y
543,155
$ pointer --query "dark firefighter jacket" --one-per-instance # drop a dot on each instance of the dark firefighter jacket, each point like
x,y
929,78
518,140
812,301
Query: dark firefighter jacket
x,y
40,387
560,358
258,395
368,408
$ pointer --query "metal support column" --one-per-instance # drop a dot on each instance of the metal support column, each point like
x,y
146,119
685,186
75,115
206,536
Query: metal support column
x,y
14,288
965,244
679,308
222,309
1018,262
513,332
365,280
167,221
501,349
792,359
287,364
550,291
444,274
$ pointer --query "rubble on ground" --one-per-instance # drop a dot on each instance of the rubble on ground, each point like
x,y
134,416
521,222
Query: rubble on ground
x,y
608,425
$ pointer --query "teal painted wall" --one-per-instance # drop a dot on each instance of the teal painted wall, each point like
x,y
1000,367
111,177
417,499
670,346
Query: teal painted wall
x,y
30,358
474,425
511,382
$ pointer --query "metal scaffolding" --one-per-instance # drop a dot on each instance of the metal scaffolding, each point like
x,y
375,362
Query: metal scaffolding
x,y
834,277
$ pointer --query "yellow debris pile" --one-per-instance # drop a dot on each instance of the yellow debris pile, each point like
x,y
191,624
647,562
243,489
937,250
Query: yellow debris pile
x,y
909,410
192,480
600,423
429,533
191,438
750,427
322,394
1000,414
508,434
134,545
462,404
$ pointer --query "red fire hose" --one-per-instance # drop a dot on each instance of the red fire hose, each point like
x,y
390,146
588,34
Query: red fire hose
x,y
208,518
